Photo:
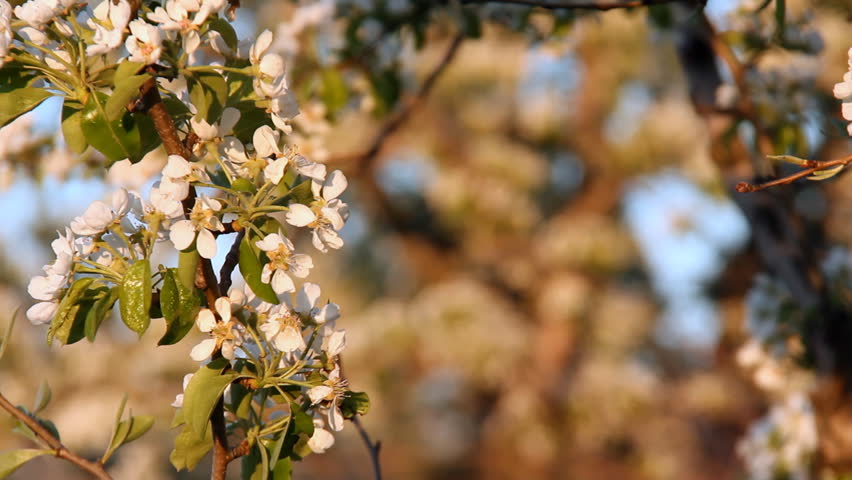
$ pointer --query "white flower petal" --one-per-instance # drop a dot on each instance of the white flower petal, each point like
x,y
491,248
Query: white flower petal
x,y
206,244
182,233
299,215
282,283
334,185
203,350
307,297
205,321
42,312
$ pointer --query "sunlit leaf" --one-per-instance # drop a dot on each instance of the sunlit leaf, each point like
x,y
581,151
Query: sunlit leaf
x,y
134,296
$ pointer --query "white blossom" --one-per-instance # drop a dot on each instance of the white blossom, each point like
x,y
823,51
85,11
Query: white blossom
x,y
99,215
284,329
843,91
109,21
282,263
144,43
202,219
225,334
326,215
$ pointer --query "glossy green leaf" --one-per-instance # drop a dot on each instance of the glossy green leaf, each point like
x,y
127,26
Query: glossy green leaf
x,y
187,266
126,70
127,431
99,311
125,90
179,305
190,449
130,136
209,93
14,459
134,296
20,101
282,469
301,421
72,130
60,326
203,391
355,403
251,269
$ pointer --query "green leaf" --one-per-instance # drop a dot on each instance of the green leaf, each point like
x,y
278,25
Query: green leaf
x,y
126,70
251,269
190,449
301,193
134,296
301,421
13,76
13,459
72,130
20,101
283,469
355,403
7,334
99,311
249,464
130,136
827,173
127,431
63,320
125,90
42,397
229,35
179,305
243,185
187,266
202,393
251,118
208,91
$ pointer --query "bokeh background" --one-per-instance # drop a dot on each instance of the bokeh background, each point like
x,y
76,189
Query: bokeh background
x,y
545,275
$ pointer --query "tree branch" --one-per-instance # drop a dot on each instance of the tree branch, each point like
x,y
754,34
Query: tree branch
x,y
93,467
363,160
373,448
231,261
205,277
813,166
602,6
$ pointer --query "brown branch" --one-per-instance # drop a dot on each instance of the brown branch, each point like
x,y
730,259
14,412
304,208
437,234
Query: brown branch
x,y
205,277
364,160
231,261
738,70
814,166
93,467
240,450
373,448
602,6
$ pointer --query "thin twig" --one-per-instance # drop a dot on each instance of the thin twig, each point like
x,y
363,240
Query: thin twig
x,y
602,6
231,261
396,120
373,448
813,166
93,467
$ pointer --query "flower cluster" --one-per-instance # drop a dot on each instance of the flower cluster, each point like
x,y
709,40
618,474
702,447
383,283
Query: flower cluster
x,y
238,173
843,91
